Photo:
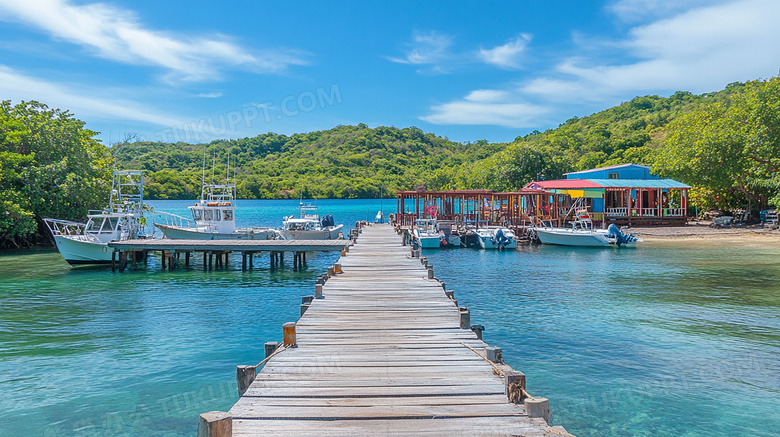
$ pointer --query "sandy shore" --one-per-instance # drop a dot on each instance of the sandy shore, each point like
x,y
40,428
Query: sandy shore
x,y
702,231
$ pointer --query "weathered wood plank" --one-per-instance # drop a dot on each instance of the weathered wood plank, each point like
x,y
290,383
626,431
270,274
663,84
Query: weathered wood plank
x,y
381,354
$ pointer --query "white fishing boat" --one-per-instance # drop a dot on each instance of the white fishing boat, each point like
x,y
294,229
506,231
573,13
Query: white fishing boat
x,y
87,243
582,233
213,218
309,226
496,238
427,234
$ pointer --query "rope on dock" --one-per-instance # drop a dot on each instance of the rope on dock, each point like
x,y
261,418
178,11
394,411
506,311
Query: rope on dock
x,y
496,370
277,351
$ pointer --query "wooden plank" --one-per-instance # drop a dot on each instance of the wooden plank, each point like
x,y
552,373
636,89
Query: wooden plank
x,y
382,354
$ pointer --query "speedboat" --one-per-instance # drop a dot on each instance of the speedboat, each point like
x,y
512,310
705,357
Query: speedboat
x,y
496,238
582,233
427,233
87,243
309,226
213,218
612,236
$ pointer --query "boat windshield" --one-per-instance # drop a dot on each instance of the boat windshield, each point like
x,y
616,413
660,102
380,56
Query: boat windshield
x,y
196,213
104,226
228,215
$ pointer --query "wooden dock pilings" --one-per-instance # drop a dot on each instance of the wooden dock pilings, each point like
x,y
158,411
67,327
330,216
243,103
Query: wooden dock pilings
x,y
215,252
381,349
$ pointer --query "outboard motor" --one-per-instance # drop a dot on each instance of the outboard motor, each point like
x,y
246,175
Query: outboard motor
x,y
620,238
327,221
501,239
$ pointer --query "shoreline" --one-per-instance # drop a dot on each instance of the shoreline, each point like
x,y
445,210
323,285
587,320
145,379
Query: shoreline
x,y
702,231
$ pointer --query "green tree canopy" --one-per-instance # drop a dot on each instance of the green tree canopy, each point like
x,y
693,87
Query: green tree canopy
x,y
50,166
729,150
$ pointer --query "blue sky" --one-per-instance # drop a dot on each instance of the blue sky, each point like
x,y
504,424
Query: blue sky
x,y
197,71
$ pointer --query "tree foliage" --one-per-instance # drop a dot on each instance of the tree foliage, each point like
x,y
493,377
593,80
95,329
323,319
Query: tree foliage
x,y
729,150
50,166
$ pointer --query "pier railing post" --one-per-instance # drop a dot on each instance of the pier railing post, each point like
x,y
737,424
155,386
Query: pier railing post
x,y
514,386
270,347
318,291
538,407
245,376
215,424
494,354
430,271
465,318
289,334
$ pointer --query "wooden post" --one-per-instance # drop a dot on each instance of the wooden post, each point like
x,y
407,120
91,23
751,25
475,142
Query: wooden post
x,y
205,262
331,271
307,299
514,384
172,261
186,259
243,260
211,261
270,347
450,293
215,424
245,375
251,260
337,268
122,261
162,258
289,334
494,354
430,271
478,329
113,260
304,307
465,318
538,407
318,291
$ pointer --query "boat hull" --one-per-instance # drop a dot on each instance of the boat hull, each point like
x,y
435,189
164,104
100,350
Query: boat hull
x,y
333,233
487,243
177,233
429,242
569,237
80,251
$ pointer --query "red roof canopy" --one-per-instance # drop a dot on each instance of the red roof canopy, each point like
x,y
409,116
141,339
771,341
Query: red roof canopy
x,y
562,184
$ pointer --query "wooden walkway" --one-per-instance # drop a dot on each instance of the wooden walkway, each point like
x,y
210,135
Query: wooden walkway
x,y
382,353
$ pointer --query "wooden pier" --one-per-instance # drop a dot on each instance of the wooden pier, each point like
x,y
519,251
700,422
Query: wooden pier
x,y
381,349
216,251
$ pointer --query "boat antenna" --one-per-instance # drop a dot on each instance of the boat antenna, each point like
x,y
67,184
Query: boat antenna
x,y
213,164
203,180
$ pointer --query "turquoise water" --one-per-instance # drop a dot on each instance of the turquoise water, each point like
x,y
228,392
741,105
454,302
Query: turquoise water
x,y
666,339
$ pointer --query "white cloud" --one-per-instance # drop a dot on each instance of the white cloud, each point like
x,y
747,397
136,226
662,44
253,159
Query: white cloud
x,y
699,50
507,55
212,95
642,10
428,48
116,34
17,87
474,111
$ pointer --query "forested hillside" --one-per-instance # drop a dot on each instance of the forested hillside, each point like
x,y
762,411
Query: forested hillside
x,y
725,144
343,162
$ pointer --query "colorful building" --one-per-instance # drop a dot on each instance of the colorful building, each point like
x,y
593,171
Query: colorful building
x,y
623,194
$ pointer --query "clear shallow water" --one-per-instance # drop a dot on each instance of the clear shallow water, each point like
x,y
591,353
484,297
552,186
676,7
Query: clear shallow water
x,y
666,339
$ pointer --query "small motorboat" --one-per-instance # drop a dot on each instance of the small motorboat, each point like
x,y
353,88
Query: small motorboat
x,y
309,226
213,218
582,233
87,243
496,238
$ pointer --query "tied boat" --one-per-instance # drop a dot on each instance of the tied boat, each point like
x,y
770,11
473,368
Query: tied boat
x,y
309,226
123,219
213,218
582,233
